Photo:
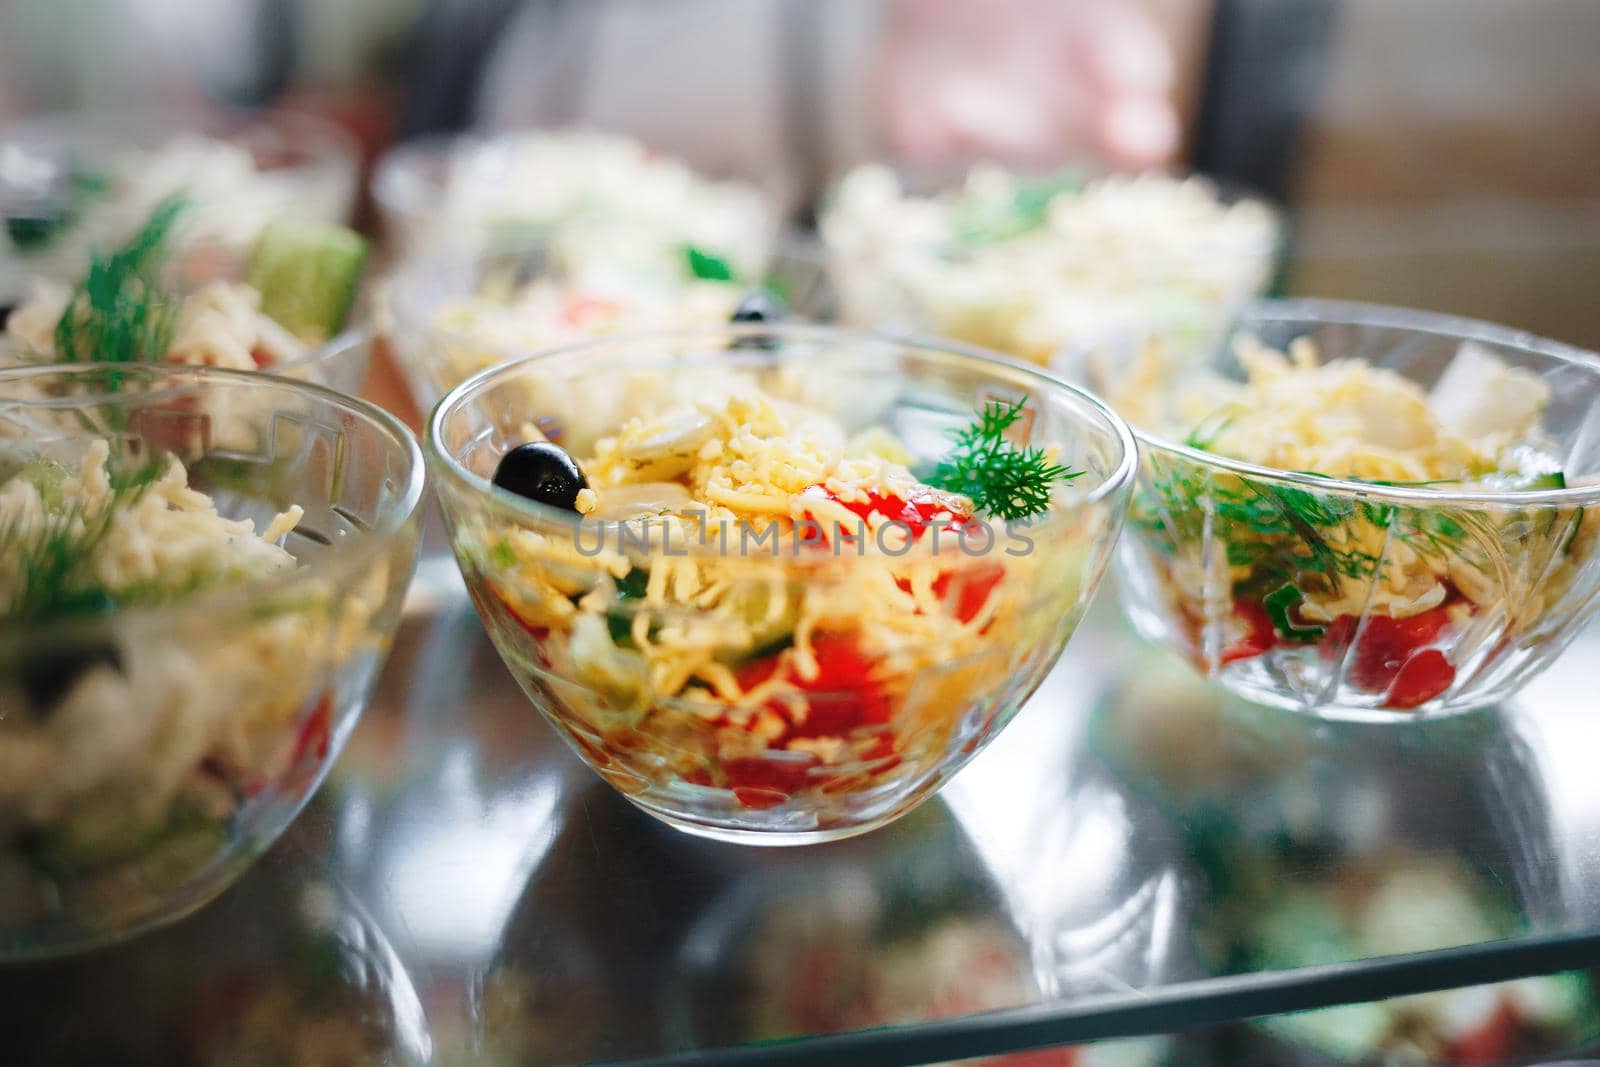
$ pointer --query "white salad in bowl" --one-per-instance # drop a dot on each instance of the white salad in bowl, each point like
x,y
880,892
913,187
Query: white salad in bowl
x,y
1035,264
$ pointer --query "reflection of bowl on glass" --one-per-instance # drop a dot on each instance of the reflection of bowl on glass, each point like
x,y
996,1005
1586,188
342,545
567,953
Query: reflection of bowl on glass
x,y
1407,526
285,968
205,569
809,671
1040,801
1319,844
68,184
1031,265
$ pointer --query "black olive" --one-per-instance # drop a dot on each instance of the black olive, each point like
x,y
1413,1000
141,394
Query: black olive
x,y
49,673
542,472
758,305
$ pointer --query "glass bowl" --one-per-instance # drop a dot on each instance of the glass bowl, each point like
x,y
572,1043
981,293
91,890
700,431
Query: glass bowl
x,y
468,305
1036,265
884,720
616,196
341,364
1219,552
69,183
152,749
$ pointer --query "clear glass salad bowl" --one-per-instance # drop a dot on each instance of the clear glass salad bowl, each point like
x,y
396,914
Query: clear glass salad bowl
x,y
884,724
464,305
1220,555
69,183
341,364
153,743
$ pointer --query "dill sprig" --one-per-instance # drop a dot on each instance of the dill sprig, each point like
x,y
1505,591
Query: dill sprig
x,y
1283,535
54,576
1000,478
117,313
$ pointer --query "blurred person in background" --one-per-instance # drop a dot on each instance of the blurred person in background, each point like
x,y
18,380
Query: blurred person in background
x,y
787,91
793,92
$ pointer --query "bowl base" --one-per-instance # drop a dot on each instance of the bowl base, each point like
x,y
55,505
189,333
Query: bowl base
x,y
765,838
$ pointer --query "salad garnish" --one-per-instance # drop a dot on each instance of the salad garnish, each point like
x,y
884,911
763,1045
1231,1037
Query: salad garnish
x,y
707,266
1000,478
116,313
54,579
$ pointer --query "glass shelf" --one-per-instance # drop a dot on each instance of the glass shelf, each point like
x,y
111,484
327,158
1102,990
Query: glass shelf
x,y
1134,855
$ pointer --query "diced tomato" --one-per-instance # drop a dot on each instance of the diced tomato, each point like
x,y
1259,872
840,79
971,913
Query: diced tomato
x,y
261,357
841,699
843,696
314,733
1424,676
581,310
918,513
977,582
1259,636
1493,1042
758,782
1386,644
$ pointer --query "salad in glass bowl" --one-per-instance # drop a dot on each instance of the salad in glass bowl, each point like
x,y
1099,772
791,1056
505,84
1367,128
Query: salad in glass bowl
x,y
200,575
777,583
128,306
1364,511
70,184
604,202
462,308
1033,264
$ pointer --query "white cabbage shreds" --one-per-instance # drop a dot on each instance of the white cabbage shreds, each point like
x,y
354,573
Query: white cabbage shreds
x,y
1348,419
190,704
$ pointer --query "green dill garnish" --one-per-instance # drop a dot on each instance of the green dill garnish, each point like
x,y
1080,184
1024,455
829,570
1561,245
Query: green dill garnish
x,y
55,579
117,313
1001,479
706,266
979,219
1283,535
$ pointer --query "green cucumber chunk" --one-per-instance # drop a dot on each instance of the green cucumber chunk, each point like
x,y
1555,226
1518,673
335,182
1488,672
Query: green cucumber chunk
x,y
307,274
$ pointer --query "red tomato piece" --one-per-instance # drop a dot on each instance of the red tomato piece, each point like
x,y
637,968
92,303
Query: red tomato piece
x,y
1259,636
1424,676
841,699
764,783
1493,1042
918,513
977,582
1386,644
581,309
314,733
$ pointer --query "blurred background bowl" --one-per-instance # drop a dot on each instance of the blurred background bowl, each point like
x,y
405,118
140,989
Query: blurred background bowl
x,y
73,182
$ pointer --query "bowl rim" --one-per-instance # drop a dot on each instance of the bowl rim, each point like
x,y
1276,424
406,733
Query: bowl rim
x,y
328,351
1312,310
351,554
1115,479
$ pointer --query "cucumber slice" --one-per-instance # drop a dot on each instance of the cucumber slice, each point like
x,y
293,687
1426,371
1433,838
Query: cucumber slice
x,y
307,274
